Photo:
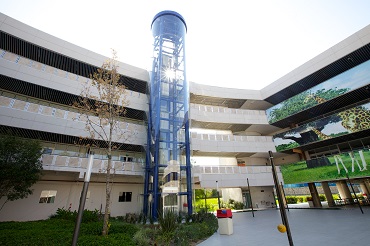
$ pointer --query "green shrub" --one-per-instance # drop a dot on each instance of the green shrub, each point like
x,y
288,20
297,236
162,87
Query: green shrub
x,y
336,196
299,199
122,227
322,197
179,218
232,204
203,226
66,214
92,228
165,238
90,216
224,204
291,199
359,196
131,218
188,218
238,205
59,232
168,221
145,236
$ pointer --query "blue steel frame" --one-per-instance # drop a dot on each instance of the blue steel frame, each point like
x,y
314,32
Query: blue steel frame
x,y
168,124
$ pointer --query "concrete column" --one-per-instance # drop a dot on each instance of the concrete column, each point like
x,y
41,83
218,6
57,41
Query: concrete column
x,y
328,194
364,188
315,195
367,184
307,155
344,190
282,192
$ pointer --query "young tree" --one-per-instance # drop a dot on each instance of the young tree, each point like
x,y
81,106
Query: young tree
x,y
20,167
103,102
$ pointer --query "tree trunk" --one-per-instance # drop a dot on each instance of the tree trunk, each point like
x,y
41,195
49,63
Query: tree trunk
x,y
108,183
108,188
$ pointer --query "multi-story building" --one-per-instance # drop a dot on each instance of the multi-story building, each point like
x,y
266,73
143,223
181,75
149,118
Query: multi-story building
x,y
230,130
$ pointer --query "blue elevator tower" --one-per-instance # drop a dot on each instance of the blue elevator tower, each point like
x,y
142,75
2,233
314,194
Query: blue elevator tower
x,y
168,182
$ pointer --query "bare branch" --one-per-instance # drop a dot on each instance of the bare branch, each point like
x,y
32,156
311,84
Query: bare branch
x,y
103,102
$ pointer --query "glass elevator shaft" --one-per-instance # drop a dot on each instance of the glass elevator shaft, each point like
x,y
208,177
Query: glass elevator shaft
x,y
168,182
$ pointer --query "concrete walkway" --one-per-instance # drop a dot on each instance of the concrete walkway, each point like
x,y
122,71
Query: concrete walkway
x,y
309,227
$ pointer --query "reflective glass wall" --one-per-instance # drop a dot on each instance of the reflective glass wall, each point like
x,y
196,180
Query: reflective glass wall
x,y
341,84
168,173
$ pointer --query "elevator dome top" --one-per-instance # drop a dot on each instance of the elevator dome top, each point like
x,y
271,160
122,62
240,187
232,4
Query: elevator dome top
x,y
170,12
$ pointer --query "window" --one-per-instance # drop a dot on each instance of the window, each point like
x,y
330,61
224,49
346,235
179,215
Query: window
x,y
126,158
125,197
48,196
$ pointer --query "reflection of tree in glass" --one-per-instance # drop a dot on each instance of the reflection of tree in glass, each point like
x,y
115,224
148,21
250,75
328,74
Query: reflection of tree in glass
x,y
303,101
288,107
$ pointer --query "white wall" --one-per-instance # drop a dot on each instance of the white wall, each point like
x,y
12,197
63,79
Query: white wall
x,y
69,193
51,123
223,92
208,113
232,193
262,196
226,143
37,73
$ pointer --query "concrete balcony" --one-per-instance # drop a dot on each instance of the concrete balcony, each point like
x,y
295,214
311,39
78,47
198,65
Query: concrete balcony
x,y
231,143
79,164
234,176
207,113
58,119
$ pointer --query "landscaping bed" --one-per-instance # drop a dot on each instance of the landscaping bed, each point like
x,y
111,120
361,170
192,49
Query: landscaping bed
x,y
131,229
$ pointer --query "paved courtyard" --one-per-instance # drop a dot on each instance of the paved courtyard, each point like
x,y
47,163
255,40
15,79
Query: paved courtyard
x,y
309,227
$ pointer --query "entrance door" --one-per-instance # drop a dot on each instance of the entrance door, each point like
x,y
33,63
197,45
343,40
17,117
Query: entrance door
x,y
247,199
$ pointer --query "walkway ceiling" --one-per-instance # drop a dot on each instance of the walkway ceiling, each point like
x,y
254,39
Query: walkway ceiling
x,y
51,95
43,55
61,138
217,101
237,154
219,126
344,143
237,129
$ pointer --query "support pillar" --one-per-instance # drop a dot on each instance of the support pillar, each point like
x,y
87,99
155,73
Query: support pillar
x,y
344,192
281,187
367,183
315,195
328,194
364,188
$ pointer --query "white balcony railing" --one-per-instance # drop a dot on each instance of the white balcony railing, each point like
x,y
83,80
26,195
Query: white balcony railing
x,y
196,170
230,137
78,164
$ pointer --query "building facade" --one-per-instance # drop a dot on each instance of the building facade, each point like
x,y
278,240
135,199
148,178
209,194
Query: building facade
x,y
230,130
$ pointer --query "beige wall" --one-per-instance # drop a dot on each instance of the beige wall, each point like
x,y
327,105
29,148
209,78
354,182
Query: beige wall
x,y
68,192
262,196
209,113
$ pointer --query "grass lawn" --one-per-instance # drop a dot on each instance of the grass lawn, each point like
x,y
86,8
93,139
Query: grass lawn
x,y
299,173
212,204
60,232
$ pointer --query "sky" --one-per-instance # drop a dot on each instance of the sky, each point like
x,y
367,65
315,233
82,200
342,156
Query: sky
x,y
244,44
